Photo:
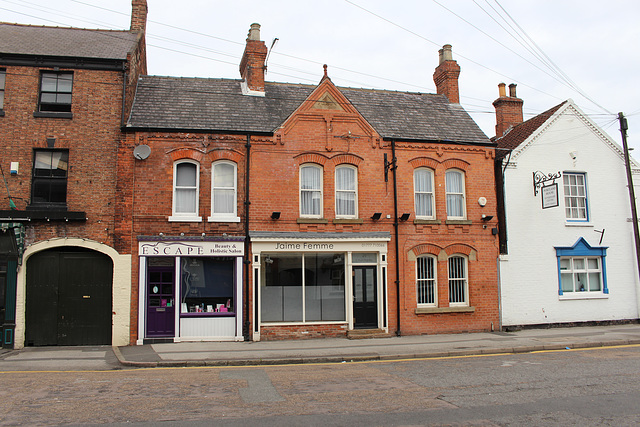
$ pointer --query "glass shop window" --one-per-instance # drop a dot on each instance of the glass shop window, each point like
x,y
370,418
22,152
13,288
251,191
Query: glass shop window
x,y
207,285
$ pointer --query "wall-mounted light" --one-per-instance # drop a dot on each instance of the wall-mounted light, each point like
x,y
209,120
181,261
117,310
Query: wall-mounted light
x,y
268,260
376,216
405,216
487,217
275,215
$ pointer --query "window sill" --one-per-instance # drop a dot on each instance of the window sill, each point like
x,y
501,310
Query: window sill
x,y
582,296
458,222
175,218
53,114
312,221
223,219
441,310
427,221
578,224
209,315
347,221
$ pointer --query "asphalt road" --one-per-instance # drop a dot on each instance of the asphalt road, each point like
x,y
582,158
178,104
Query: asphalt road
x,y
571,387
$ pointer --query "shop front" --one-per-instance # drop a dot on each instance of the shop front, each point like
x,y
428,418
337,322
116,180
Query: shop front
x,y
190,289
318,284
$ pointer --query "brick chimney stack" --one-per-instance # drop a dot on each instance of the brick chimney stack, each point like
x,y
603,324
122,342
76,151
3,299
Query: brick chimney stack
x,y
139,15
252,66
446,75
508,109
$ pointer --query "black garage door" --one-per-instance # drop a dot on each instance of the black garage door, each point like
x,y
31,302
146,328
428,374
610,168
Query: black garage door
x,y
68,298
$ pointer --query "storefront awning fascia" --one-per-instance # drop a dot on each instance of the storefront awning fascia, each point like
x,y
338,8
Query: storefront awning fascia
x,y
269,236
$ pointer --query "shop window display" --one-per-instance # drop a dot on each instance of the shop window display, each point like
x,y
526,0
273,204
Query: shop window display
x,y
206,285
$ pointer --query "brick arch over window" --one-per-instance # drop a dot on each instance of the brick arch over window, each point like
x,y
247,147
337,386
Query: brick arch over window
x,y
225,154
424,162
186,153
425,249
459,248
456,164
350,159
311,158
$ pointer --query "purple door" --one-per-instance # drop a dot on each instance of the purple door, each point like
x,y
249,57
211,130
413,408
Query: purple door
x,y
160,302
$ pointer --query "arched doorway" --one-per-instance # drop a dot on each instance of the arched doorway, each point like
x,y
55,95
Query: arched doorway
x,y
68,297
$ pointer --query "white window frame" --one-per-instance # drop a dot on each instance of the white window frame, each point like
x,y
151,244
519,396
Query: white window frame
x,y
185,216
586,272
312,190
425,282
464,279
430,192
452,194
343,191
572,197
224,216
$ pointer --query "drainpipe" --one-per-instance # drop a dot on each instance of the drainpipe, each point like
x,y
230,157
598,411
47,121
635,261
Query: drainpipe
x,y
247,258
397,234
124,93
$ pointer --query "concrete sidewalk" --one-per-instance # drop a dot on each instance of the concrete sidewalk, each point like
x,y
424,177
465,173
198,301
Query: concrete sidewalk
x,y
335,350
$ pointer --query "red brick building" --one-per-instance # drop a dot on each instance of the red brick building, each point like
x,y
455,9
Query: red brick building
x,y
65,94
259,210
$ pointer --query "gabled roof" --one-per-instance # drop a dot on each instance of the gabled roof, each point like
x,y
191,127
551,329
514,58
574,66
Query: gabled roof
x,y
31,40
197,104
519,133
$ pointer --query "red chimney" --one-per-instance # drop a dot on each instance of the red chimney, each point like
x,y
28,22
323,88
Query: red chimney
x,y
508,109
252,67
139,15
446,75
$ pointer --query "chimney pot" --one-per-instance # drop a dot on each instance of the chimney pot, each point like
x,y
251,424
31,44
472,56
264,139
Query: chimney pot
x,y
502,91
445,53
512,90
254,32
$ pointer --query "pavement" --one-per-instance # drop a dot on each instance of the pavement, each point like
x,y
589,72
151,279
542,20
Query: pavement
x,y
328,350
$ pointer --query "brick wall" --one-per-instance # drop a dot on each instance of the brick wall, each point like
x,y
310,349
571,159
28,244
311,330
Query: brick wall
x,y
91,137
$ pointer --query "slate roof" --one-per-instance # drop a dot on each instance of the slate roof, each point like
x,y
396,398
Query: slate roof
x,y
65,42
519,133
218,105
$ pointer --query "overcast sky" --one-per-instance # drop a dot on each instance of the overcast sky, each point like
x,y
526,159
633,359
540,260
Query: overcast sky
x,y
586,50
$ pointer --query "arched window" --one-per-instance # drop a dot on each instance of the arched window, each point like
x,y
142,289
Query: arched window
x,y
455,194
346,192
423,190
185,191
427,293
224,192
458,281
311,191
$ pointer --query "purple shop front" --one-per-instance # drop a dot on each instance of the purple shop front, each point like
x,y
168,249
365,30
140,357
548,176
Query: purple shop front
x,y
190,289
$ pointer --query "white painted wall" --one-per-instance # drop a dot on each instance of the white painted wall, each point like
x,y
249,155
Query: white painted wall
x,y
528,274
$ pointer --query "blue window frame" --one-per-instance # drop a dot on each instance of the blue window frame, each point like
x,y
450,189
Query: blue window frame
x,y
582,269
